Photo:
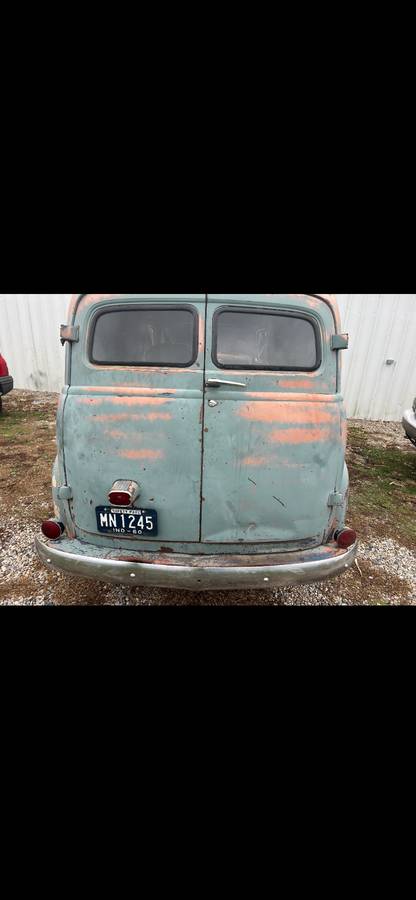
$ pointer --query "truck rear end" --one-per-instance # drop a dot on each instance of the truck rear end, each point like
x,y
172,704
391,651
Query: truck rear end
x,y
201,442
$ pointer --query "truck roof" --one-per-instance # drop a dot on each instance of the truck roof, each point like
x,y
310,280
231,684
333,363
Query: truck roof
x,y
330,299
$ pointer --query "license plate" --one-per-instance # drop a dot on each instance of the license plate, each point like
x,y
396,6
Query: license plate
x,y
138,522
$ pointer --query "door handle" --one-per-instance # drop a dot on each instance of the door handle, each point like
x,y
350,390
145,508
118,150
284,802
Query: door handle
x,y
218,382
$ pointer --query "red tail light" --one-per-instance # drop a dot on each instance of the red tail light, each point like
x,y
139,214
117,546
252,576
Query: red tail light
x,y
119,498
52,529
346,538
124,493
3,366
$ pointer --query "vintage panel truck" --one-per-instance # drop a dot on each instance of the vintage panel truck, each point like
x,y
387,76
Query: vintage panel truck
x,y
201,442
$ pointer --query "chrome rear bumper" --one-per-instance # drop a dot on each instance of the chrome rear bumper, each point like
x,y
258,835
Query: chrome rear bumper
x,y
194,573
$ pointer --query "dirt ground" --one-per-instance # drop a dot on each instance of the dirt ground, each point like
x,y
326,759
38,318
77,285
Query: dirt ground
x,y
382,509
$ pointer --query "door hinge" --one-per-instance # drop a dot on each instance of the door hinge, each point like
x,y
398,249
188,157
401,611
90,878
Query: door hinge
x,y
340,341
70,334
336,500
65,492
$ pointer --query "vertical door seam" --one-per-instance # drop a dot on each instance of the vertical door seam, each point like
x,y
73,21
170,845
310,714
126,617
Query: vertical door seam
x,y
201,500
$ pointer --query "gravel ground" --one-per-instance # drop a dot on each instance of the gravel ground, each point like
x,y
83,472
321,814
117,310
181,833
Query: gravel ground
x,y
385,574
385,434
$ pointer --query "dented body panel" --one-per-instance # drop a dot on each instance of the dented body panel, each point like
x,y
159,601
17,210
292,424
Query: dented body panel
x,y
236,455
274,449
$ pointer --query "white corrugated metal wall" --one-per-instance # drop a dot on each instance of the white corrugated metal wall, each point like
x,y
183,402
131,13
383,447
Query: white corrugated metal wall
x,y
29,338
381,326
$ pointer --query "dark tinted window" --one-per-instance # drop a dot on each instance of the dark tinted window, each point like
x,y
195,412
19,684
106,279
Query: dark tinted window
x,y
146,337
261,340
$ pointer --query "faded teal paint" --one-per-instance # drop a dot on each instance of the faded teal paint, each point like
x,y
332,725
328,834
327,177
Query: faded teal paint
x,y
271,454
140,424
257,469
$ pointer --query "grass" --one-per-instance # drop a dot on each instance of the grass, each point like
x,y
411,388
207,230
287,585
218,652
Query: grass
x,y
27,450
14,422
383,482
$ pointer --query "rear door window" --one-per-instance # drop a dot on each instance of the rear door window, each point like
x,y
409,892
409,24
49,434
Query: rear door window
x,y
244,339
145,336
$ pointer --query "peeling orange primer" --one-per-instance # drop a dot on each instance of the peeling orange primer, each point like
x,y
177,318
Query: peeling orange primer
x,y
133,417
88,299
331,299
72,306
313,302
141,454
301,435
122,401
287,413
149,370
255,461
292,398
132,390
273,460
118,435
201,335
137,401
296,384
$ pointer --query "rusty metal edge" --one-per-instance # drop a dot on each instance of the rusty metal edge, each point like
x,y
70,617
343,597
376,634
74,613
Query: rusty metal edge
x,y
193,578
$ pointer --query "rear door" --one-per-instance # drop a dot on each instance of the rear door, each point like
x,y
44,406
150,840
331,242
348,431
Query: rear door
x,y
134,409
272,419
